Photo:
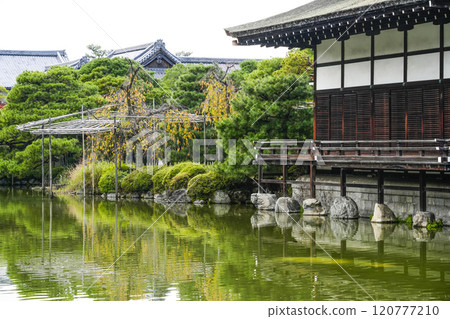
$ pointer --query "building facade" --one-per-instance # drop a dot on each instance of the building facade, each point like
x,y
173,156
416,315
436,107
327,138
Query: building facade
x,y
382,68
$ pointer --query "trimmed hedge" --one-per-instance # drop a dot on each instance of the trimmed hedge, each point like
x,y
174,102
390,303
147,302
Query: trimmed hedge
x,y
203,186
158,179
180,181
137,182
107,181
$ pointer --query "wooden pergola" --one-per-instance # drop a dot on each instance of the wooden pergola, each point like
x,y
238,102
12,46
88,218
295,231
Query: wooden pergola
x,y
92,123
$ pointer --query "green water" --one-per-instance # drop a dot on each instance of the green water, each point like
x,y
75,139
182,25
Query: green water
x,y
65,249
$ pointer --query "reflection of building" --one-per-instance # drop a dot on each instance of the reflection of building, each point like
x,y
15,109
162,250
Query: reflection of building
x,y
13,63
155,57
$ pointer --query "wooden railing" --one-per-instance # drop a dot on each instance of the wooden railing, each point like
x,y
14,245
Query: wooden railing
x,y
390,154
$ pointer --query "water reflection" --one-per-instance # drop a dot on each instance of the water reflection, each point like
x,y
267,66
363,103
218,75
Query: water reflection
x,y
75,249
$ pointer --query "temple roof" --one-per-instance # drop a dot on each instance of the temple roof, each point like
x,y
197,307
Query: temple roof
x,y
155,57
326,15
14,62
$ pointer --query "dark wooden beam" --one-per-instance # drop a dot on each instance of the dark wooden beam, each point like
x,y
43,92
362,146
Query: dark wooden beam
x,y
380,186
343,182
312,181
422,191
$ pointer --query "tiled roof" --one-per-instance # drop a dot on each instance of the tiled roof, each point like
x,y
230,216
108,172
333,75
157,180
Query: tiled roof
x,y
313,12
13,63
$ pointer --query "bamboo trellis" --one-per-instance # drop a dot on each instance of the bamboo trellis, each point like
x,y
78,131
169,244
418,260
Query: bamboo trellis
x,y
96,123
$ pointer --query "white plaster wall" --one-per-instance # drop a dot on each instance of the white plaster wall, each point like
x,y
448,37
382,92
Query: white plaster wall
x,y
423,36
357,74
423,67
358,46
328,77
389,42
447,35
447,65
329,51
388,71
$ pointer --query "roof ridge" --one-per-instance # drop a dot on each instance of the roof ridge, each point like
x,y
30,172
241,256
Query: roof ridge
x,y
34,53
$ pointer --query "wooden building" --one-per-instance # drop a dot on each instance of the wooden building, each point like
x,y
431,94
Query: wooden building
x,y
382,67
155,57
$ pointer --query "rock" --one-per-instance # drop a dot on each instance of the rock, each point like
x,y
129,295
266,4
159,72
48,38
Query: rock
x,y
163,197
221,209
220,197
111,196
286,220
264,201
382,231
179,196
423,235
422,219
159,198
263,219
344,208
239,197
383,214
134,195
287,205
313,223
199,202
177,209
313,207
148,195
344,229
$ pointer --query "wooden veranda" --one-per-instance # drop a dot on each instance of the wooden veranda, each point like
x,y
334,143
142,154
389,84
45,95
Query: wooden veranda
x,y
391,155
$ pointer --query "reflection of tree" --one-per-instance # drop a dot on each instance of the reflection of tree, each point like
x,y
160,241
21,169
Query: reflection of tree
x,y
203,256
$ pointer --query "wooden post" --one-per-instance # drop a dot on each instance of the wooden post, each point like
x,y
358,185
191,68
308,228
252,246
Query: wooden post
x,y
343,182
312,180
204,139
380,186
422,191
285,173
93,169
50,159
43,161
260,176
115,160
84,156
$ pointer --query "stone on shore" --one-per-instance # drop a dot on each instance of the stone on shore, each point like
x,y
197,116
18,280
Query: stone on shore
x,y
287,205
111,196
422,219
313,207
179,196
344,208
264,201
148,195
220,197
199,202
383,214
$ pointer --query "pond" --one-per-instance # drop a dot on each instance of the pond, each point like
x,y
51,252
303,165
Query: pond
x,y
67,248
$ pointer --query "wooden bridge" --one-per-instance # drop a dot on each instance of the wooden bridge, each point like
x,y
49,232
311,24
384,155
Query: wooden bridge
x,y
399,155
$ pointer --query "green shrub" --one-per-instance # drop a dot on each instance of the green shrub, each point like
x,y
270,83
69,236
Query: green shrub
x,y
75,176
435,226
180,181
188,171
204,185
107,180
193,169
137,182
172,172
158,178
